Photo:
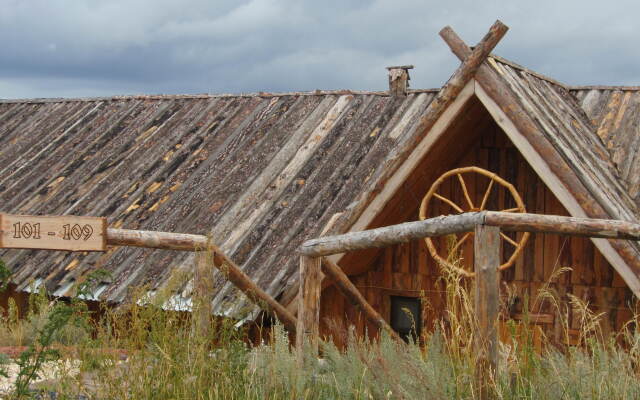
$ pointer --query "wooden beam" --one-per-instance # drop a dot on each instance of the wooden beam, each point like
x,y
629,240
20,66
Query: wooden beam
x,y
380,237
487,297
445,97
156,240
386,236
463,74
584,201
353,295
444,225
308,329
500,93
187,242
600,228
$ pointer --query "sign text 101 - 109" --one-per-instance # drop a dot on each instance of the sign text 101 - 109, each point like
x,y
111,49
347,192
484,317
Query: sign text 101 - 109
x,y
53,232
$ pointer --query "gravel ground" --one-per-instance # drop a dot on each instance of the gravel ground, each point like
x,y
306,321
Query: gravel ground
x,y
50,372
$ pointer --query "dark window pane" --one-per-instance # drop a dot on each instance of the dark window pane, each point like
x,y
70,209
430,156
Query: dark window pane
x,y
405,316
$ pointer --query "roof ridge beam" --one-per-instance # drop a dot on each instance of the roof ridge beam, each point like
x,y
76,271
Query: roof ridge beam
x,y
463,74
445,98
500,93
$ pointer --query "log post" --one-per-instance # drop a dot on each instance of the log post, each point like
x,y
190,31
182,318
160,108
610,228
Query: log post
x,y
187,242
308,329
202,293
351,292
487,295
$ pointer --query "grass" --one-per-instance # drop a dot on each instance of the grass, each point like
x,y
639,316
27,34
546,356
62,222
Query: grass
x,y
169,359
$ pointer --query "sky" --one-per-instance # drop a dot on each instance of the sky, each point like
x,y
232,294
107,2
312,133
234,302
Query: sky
x,y
86,48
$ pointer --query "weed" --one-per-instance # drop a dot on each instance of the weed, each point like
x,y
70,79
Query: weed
x,y
166,358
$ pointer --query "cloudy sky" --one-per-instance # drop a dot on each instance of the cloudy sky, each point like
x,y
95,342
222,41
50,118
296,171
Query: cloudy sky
x,y
75,48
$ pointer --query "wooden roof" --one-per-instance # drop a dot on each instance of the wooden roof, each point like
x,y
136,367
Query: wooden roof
x,y
614,113
570,131
261,173
579,167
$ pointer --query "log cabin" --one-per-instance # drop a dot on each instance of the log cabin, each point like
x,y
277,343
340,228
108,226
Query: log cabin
x,y
261,173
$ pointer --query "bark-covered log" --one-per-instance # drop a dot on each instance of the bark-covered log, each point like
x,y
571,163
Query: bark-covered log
x,y
308,329
487,298
187,242
444,225
353,295
502,96
463,74
601,228
389,235
156,240
446,96
203,290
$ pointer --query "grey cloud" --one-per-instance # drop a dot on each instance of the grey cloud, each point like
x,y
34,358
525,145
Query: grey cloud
x,y
71,48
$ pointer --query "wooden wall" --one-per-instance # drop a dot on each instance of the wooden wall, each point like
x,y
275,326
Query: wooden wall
x,y
409,270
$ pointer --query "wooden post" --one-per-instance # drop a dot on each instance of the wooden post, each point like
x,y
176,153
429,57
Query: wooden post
x,y
308,329
487,296
202,293
187,242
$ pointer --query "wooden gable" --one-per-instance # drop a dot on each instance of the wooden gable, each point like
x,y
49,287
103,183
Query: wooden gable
x,y
474,138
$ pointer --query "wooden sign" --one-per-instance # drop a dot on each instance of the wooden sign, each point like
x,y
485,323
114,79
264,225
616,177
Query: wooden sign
x,y
53,232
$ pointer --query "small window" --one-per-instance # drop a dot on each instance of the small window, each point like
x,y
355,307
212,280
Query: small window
x,y
406,318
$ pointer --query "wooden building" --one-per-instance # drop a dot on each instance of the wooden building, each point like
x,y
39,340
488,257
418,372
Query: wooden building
x,y
261,173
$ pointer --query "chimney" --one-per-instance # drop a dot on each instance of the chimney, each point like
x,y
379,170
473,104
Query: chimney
x,y
399,80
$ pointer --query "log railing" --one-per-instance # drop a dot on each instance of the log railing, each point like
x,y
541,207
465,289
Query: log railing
x,y
487,226
445,225
200,243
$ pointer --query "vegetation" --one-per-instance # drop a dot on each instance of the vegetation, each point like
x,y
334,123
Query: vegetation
x,y
166,358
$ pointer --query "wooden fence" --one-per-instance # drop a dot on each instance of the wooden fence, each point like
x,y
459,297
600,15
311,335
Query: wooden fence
x,y
487,226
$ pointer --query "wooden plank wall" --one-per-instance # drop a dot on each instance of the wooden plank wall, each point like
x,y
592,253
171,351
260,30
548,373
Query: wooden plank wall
x,y
409,270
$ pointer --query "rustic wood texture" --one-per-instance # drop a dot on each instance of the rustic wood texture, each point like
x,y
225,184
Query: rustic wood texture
x,y
203,293
220,165
382,237
434,111
407,268
308,327
466,222
180,163
559,131
355,297
199,243
613,111
398,81
486,304
470,174
600,228
64,232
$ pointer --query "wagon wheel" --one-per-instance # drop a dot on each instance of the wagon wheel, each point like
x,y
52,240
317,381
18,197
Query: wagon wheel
x,y
468,206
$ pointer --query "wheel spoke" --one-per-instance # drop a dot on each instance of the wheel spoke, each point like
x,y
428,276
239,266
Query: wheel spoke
x,y
486,195
449,202
511,209
466,192
508,239
459,242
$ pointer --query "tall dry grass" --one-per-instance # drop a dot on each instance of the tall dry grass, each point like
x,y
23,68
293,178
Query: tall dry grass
x,y
168,359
